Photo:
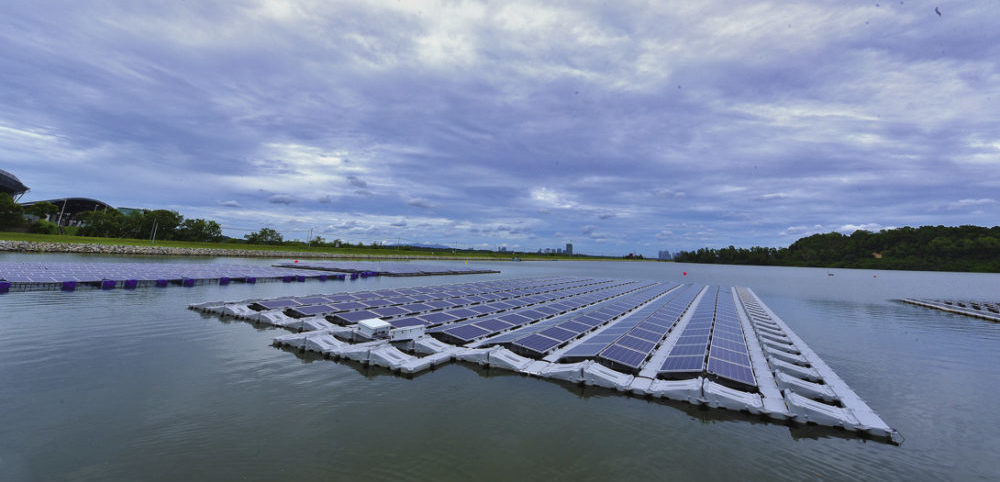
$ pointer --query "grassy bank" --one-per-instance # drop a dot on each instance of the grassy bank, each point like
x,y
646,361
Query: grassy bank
x,y
297,248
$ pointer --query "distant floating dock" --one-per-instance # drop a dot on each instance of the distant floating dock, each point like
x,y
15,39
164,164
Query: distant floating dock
x,y
385,268
979,309
71,276
707,345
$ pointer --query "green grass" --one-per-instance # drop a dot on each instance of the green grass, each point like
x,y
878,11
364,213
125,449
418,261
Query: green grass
x,y
67,239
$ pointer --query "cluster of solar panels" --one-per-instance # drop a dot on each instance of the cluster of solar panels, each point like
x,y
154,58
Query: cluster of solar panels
x,y
689,352
502,310
45,273
715,334
430,306
589,347
630,351
386,268
728,357
547,306
545,340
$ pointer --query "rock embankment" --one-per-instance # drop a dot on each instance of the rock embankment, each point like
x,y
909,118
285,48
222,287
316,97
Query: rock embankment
x,y
124,250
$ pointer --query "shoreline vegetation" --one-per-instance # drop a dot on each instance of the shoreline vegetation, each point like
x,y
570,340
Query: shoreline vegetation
x,y
927,248
54,243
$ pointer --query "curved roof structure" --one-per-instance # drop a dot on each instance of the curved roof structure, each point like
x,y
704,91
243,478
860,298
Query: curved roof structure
x,y
71,206
10,184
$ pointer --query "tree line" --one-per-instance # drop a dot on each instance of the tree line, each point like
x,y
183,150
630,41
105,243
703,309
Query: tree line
x,y
928,248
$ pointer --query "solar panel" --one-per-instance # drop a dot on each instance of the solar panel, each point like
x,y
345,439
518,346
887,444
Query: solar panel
x,y
688,350
731,371
623,355
356,316
730,356
493,325
636,343
309,310
558,333
275,304
683,364
537,343
438,317
404,322
466,332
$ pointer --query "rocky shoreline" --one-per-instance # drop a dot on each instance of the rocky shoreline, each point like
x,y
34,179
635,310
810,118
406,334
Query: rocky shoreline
x,y
124,250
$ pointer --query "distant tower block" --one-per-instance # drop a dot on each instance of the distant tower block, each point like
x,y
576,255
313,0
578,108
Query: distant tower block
x,y
569,249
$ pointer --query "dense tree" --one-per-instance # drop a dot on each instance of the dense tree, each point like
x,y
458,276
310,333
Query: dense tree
x,y
937,248
11,215
264,236
199,230
42,209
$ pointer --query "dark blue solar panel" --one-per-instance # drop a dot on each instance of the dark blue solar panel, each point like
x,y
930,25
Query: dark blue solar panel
x,y
558,333
481,309
692,340
312,300
349,305
462,313
731,371
494,325
689,350
537,343
636,343
683,364
403,322
356,316
311,310
274,304
438,318
388,311
467,332
646,335
729,345
574,326
416,307
438,304
730,356
624,356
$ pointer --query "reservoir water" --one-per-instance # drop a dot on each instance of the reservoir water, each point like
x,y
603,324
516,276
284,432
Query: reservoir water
x,y
131,385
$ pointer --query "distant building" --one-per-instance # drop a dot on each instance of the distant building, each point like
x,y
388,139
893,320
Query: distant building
x,y
70,208
664,256
569,248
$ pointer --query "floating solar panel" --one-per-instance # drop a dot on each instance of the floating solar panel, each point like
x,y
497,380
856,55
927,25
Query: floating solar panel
x,y
386,268
31,276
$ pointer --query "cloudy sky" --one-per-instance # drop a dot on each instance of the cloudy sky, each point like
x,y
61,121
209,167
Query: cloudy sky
x,y
617,126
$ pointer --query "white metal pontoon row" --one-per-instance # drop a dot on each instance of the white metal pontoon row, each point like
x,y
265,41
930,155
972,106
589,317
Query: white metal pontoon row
x,y
715,346
979,309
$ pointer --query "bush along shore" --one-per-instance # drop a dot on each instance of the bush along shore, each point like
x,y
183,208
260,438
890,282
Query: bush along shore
x,y
125,250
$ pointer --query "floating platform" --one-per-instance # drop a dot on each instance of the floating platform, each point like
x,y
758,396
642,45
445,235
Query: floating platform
x,y
384,268
71,276
719,347
987,310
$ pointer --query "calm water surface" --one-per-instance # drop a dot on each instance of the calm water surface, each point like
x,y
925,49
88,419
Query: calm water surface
x,y
131,385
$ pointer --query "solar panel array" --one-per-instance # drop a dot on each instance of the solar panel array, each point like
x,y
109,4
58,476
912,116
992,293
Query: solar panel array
x,y
589,347
547,339
441,305
386,268
713,334
50,273
548,306
728,357
689,352
433,309
630,351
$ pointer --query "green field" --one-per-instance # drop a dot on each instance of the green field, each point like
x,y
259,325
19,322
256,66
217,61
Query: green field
x,y
298,248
